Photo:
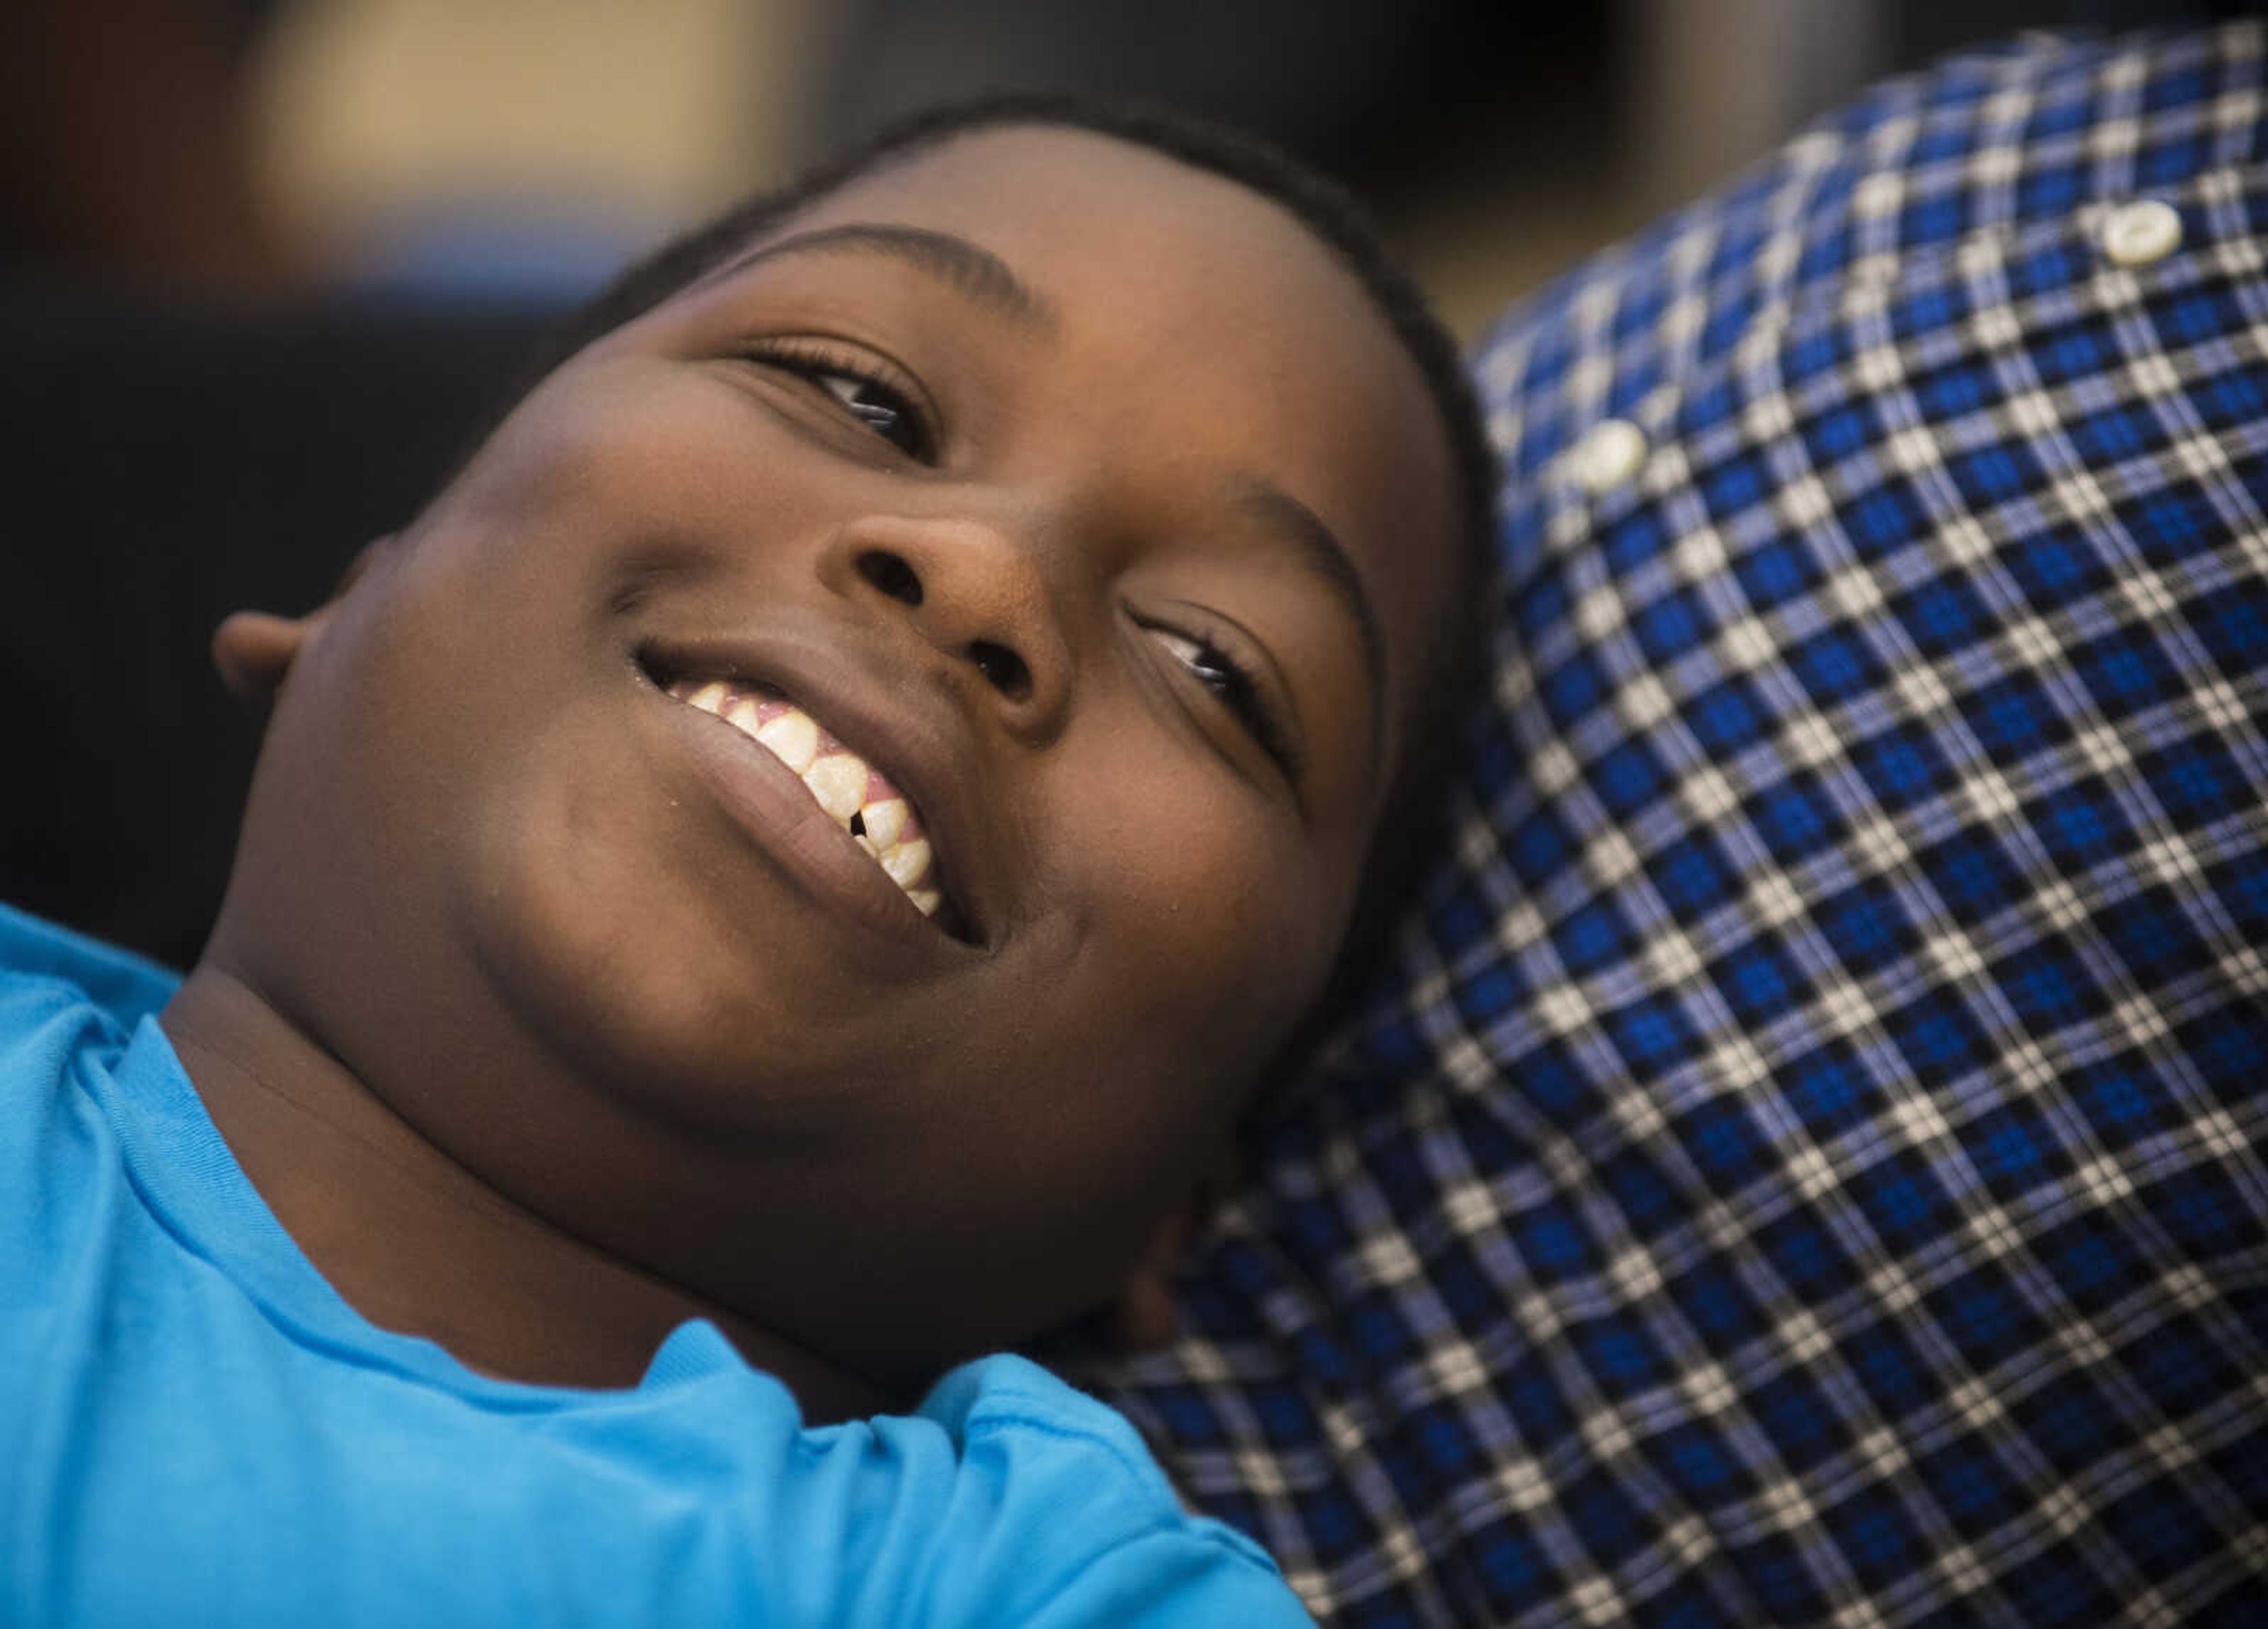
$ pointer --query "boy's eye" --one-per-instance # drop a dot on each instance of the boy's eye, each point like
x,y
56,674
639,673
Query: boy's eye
x,y
1233,682
877,406
862,390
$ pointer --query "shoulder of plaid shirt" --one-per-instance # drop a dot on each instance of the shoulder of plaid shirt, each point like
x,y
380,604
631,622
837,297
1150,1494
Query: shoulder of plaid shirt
x,y
194,1428
1805,1163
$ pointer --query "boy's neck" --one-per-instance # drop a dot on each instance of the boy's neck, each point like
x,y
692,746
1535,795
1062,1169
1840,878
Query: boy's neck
x,y
421,1245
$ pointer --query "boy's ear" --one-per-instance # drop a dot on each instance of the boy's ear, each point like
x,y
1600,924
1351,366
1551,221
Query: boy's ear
x,y
1141,1318
255,650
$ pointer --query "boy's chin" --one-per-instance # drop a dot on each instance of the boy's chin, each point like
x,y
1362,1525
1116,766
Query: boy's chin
x,y
707,1004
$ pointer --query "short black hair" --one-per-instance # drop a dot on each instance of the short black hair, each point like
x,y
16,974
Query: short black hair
x,y
1412,823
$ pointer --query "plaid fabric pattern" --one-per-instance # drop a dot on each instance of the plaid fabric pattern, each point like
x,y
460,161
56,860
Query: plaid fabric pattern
x,y
1806,1163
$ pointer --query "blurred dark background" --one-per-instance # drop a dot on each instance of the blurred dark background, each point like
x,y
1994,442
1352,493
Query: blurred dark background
x,y
266,267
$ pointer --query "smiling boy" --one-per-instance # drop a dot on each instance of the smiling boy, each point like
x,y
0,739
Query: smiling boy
x,y
789,867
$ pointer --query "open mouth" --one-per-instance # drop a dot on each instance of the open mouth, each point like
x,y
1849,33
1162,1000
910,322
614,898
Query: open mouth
x,y
878,817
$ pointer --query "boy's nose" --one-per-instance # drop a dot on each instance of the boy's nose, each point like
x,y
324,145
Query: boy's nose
x,y
976,594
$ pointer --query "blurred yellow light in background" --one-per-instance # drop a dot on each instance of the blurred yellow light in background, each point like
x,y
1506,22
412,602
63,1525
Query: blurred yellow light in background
x,y
645,114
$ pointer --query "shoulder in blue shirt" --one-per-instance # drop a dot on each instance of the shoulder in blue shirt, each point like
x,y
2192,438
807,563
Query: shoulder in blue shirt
x,y
197,1429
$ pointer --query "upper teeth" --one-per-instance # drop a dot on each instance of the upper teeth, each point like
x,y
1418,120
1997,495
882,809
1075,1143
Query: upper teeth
x,y
858,796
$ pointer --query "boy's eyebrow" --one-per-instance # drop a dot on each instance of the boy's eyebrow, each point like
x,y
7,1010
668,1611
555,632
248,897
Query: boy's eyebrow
x,y
968,268
1322,554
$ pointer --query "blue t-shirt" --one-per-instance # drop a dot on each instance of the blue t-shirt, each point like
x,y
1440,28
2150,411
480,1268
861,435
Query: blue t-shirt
x,y
195,1429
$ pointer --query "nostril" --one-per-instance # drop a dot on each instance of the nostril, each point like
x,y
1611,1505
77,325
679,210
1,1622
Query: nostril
x,y
891,575
1003,669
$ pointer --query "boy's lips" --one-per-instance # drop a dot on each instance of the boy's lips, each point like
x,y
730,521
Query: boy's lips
x,y
880,818
871,800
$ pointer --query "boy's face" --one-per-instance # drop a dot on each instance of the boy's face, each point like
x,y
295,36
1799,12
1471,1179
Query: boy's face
x,y
1081,496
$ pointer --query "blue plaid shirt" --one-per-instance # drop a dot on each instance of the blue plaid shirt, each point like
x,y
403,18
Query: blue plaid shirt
x,y
1805,1162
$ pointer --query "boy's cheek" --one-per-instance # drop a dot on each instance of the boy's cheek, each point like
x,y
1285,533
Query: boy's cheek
x,y
622,452
1210,909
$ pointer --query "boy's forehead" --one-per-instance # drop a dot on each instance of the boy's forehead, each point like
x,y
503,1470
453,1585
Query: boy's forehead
x,y
1038,184
1115,234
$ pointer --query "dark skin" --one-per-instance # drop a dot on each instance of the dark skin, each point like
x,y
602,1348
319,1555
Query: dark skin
x,y
543,1014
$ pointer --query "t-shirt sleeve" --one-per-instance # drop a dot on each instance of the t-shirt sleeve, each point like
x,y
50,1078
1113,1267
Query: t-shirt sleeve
x,y
124,985
1172,1580
1079,1525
